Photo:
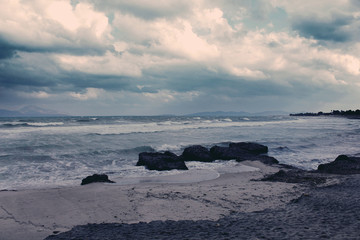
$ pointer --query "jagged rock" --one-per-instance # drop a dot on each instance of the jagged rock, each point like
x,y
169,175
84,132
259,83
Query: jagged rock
x,y
342,165
197,153
96,178
161,161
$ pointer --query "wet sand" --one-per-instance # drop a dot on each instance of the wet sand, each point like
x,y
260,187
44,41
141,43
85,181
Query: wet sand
x,y
36,214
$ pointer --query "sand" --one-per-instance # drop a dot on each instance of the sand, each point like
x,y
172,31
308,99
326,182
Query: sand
x,y
330,211
36,214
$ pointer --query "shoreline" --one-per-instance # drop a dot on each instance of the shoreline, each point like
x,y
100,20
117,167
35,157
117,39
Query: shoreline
x,y
262,201
330,211
35,214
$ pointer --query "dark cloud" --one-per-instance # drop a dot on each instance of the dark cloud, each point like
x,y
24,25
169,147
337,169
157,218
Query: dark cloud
x,y
6,50
336,29
13,75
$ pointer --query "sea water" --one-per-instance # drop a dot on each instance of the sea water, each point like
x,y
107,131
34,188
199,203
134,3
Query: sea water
x,y
60,151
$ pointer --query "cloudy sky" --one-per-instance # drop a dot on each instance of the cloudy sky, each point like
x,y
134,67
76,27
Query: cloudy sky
x,y
139,57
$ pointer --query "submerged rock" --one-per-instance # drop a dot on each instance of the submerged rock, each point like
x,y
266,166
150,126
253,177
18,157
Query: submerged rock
x,y
161,161
197,153
342,165
96,178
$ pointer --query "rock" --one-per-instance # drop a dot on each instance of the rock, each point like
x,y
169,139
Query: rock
x,y
161,161
250,147
262,158
96,178
239,150
243,151
197,153
227,153
342,165
295,176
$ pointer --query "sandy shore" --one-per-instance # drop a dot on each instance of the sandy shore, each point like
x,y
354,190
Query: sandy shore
x,y
328,211
36,214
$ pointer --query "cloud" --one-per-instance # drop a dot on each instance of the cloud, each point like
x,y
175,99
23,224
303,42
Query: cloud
x,y
108,64
53,26
38,95
168,96
145,9
336,28
178,55
90,93
6,50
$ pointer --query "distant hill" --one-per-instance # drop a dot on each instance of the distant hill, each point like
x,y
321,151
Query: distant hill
x,y
30,111
234,114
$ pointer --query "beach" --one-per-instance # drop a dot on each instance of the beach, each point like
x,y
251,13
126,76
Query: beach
x,y
222,195
327,212
35,214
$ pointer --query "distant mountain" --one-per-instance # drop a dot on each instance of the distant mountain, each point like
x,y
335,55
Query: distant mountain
x,y
30,111
234,114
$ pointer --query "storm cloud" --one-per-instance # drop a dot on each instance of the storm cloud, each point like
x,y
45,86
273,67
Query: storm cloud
x,y
139,57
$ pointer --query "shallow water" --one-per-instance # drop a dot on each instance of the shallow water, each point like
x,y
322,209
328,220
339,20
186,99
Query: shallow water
x,y
50,152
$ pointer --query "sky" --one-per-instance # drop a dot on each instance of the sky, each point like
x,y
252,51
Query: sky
x,y
102,57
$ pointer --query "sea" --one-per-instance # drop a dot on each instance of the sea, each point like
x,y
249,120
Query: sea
x,y
51,152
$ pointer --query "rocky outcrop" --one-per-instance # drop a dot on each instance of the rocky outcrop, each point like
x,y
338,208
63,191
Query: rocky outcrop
x,y
96,178
161,161
342,165
197,153
235,151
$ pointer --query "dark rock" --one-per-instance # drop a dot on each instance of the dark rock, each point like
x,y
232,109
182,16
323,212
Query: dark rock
x,y
342,165
197,153
295,176
227,153
250,147
262,158
161,161
243,151
96,178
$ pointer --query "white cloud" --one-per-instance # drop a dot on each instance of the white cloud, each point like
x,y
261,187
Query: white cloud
x,y
45,24
168,96
109,64
90,93
38,95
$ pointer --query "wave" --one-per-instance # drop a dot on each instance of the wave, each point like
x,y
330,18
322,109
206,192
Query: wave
x,y
29,124
169,147
87,119
12,125
116,128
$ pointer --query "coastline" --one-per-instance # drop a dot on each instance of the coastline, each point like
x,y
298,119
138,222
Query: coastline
x,y
35,214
